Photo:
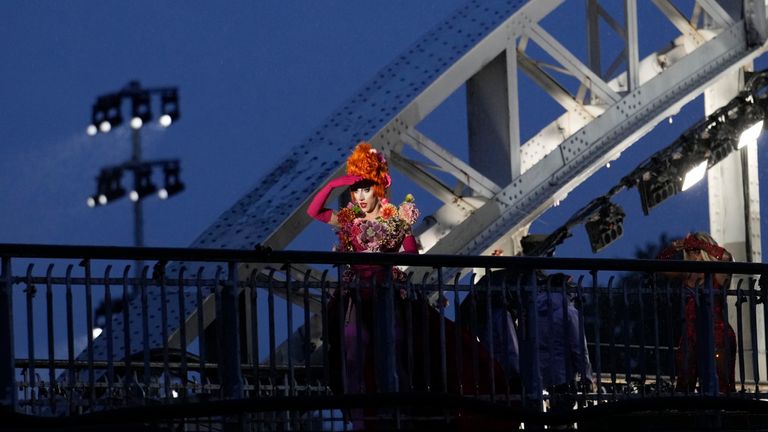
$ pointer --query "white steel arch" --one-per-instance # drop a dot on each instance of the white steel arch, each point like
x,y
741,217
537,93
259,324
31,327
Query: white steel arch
x,y
483,46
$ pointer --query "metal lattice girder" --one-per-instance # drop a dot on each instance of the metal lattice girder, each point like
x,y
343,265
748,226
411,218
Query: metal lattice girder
x,y
273,213
603,116
598,142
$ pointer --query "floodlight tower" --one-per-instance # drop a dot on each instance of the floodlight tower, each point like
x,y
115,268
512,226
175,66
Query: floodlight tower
x,y
106,115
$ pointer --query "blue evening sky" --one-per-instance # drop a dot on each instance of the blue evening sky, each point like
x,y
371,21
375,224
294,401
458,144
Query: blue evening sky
x,y
255,78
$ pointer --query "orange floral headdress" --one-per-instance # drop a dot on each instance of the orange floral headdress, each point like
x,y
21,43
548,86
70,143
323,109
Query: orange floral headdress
x,y
368,163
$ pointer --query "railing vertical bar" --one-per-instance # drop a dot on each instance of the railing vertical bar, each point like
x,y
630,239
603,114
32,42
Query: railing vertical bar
x,y
272,330
656,336
229,347
159,276
86,263
474,292
409,338
627,355
357,306
51,347
643,366
763,283
568,358
425,342
341,297
582,342
255,354
216,345
682,375
533,372
488,313
387,342
740,329
307,351
507,340
108,335
201,339
324,380
551,326
71,380
612,340
753,334
522,322
670,337
8,395
325,333
127,374
443,350
30,292
598,341
705,319
727,343
145,332
183,332
457,335
289,328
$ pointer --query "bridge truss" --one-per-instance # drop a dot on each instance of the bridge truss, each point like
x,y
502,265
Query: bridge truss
x,y
491,197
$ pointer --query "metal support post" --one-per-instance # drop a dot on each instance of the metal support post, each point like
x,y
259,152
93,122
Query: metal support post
x,y
7,360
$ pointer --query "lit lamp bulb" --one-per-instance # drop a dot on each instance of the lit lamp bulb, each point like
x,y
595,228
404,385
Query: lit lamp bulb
x,y
162,193
750,135
103,199
694,175
91,202
165,120
91,130
105,126
134,196
137,123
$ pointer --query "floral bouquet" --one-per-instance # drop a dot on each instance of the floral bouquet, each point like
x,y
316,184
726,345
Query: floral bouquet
x,y
383,234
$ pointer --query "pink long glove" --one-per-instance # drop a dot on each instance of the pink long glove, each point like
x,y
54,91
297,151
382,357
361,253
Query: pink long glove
x,y
317,208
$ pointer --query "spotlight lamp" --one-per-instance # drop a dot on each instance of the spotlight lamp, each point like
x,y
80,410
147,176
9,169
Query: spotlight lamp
x,y
107,114
98,115
141,112
112,115
169,107
718,139
108,187
605,226
173,184
749,121
142,179
656,184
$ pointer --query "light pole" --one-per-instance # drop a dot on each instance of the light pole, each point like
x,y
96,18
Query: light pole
x,y
106,115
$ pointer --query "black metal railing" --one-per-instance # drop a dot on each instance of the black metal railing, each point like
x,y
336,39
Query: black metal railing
x,y
313,340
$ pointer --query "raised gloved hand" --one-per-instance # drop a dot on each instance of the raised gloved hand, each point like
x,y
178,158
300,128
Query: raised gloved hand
x,y
317,208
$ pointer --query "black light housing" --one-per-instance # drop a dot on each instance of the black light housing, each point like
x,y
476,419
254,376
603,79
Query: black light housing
x,y
142,179
173,184
108,187
141,111
169,107
112,115
98,115
605,226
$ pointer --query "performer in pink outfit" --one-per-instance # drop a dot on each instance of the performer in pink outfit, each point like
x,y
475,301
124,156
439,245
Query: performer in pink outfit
x,y
370,223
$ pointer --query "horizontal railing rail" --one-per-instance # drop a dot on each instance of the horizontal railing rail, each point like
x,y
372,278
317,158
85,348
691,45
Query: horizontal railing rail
x,y
197,325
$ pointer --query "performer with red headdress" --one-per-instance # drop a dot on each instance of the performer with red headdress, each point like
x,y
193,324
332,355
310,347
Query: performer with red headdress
x,y
700,246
